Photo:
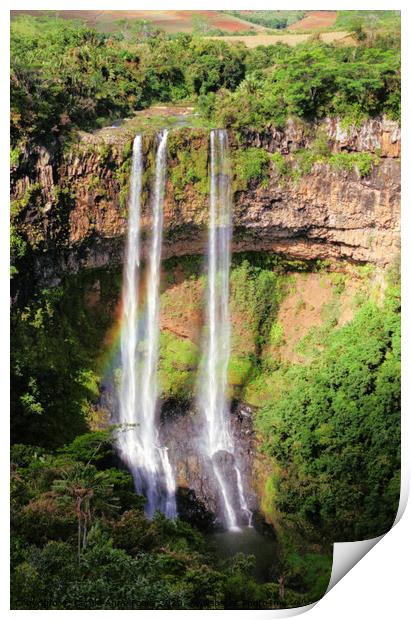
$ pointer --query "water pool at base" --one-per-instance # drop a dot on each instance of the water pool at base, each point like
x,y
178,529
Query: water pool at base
x,y
250,542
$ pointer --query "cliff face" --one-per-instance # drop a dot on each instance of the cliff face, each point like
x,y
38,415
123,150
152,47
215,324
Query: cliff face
x,y
327,214
71,207
381,136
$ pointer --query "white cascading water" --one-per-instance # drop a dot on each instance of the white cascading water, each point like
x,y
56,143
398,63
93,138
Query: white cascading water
x,y
243,503
139,444
213,387
128,441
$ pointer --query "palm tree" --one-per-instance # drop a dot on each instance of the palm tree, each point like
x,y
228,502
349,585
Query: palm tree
x,y
89,492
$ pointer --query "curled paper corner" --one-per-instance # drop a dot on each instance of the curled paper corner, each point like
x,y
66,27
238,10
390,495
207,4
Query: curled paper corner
x,y
345,556
348,554
404,494
294,611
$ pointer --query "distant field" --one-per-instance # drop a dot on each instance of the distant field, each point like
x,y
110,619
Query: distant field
x,y
368,19
274,20
170,21
289,39
237,22
315,20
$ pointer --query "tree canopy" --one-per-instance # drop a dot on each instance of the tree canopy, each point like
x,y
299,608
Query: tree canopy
x,y
334,430
66,75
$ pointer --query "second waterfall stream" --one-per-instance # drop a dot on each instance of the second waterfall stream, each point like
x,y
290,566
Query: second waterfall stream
x,y
212,398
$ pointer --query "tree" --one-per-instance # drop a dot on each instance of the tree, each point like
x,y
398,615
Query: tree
x,y
89,492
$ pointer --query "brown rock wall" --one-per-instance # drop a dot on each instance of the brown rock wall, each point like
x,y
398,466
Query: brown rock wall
x,y
79,219
382,136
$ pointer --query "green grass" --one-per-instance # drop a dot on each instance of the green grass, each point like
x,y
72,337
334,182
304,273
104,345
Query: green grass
x,y
177,366
349,20
276,20
249,164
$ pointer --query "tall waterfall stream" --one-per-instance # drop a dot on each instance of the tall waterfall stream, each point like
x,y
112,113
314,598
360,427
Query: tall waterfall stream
x,y
139,443
213,375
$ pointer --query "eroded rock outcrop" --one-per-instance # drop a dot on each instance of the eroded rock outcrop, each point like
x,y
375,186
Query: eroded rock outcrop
x,y
72,206
381,136
326,214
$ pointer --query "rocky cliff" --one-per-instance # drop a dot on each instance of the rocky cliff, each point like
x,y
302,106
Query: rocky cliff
x,y
381,136
71,206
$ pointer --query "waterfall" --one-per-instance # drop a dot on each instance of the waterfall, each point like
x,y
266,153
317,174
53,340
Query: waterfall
x,y
213,387
128,441
243,504
139,444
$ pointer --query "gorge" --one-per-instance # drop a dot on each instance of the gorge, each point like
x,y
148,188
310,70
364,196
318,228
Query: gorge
x,y
324,218
312,252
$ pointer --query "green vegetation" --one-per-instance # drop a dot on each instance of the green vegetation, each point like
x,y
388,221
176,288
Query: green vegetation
x,y
281,164
58,339
367,20
317,418
189,162
18,248
14,157
255,293
178,363
122,176
363,162
270,19
302,162
81,541
25,237
249,164
311,81
65,75
253,164
334,429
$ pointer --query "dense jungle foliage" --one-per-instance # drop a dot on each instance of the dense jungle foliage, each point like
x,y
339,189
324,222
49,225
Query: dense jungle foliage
x,y
79,535
81,541
334,429
309,82
65,75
